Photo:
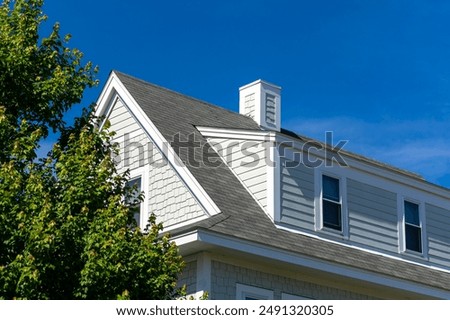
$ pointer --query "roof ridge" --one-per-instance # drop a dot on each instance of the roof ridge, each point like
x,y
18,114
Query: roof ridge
x,y
358,156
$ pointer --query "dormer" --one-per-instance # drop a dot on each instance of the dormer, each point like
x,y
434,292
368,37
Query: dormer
x,y
261,101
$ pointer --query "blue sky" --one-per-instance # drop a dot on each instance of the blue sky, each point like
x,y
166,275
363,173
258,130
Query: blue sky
x,y
375,72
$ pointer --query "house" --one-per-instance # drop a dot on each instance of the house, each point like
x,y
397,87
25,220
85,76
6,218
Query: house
x,y
259,212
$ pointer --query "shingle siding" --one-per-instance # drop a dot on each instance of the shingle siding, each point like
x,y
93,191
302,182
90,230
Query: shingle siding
x,y
188,277
168,197
225,276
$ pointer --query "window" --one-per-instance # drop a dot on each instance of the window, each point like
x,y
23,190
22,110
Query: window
x,y
133,200
288,296
245,292
413,227
331,203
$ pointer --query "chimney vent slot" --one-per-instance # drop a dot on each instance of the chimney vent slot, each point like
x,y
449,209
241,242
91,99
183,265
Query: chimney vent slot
x,y
270,109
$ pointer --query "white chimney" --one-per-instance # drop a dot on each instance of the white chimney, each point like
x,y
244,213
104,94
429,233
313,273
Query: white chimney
x,y
261,101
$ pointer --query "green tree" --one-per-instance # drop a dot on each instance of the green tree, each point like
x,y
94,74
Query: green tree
x,y
66,231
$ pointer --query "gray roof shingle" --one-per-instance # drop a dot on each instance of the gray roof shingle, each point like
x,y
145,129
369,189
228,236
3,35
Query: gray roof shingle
x,y
241,216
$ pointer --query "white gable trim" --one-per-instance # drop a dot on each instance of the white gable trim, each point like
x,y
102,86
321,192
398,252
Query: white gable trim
x,y
115,87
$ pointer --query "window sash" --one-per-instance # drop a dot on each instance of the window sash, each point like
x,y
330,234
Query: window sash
x,y
413,227
330,188
413,238
412,216
331,203
331,214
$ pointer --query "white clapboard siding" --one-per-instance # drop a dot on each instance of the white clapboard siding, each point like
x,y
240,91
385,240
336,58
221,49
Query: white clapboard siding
x,y
372,216
297,195
438,234
247,160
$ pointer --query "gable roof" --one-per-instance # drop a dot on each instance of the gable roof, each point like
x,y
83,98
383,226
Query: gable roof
x,y
241,217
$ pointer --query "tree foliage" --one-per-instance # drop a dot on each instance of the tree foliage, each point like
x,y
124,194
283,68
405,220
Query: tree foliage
x,y
40,79
66,231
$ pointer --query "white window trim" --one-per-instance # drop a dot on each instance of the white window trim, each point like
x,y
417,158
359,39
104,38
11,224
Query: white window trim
x,y
142,172
401,226
273,179
288,296
243,291
318,203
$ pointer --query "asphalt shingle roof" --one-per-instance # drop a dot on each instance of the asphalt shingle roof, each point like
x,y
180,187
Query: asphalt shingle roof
x,y
241,217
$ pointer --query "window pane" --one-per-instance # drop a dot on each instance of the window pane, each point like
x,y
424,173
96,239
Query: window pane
x,y
137,215
133,196
330,188
132,199
413,236
412,213
332,215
